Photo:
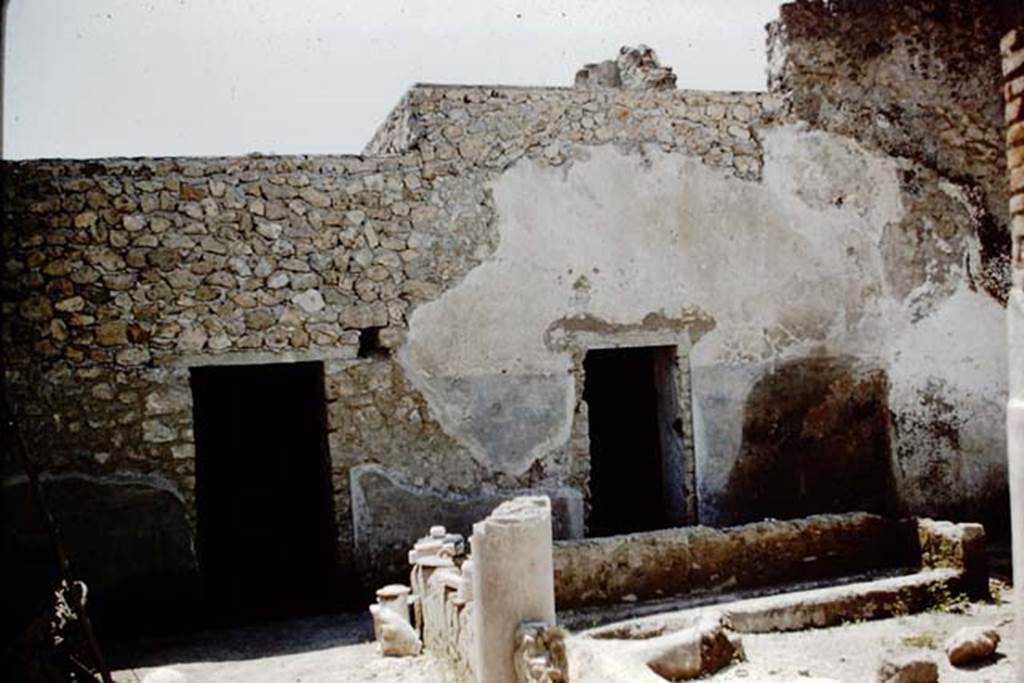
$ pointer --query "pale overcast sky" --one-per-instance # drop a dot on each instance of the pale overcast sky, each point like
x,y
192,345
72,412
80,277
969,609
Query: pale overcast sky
x,y
94,78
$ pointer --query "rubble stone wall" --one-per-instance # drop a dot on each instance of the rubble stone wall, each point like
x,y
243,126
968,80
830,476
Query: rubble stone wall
x,y
916,79
120,274
700,560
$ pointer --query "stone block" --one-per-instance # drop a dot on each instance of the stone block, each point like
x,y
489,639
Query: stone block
x,y
695,651
956,546
971,644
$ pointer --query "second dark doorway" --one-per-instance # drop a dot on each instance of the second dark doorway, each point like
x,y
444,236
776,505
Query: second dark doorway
x,y
636,477
266,530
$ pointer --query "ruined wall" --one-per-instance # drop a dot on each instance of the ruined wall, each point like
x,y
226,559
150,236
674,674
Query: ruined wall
x,y
119,275
919,81
834,292
126,273
915,79
699,560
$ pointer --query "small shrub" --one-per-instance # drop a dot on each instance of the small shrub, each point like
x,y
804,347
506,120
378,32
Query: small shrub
x,y
945,600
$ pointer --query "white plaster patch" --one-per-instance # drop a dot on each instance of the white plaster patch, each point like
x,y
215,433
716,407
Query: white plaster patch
x,y
951,353
779,265
829,172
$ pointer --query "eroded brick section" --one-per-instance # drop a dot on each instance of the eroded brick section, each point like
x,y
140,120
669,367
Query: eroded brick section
x,y
1012,50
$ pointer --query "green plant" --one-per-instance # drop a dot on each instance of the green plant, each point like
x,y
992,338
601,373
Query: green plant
x,y
943,599
899,607
921,640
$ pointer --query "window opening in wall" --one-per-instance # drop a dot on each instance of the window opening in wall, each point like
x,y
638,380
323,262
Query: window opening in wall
x,y
266,529
637,480
369,343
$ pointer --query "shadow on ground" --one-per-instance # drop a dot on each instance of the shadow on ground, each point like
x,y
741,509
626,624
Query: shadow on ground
x,y
251,641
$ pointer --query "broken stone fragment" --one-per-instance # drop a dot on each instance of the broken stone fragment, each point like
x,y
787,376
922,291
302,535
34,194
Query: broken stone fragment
x,y
540,655
600,75
971,644
913,668
694,652
394,633
707,649
438,549
636,68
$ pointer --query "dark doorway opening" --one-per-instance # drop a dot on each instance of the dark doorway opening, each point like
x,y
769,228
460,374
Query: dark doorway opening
x,y
266,530
637,480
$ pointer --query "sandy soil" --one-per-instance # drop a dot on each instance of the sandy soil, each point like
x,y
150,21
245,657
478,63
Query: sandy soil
x,y
338,648
853,652
330,648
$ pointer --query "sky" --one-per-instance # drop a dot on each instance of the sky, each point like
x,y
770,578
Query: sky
x,y
101,78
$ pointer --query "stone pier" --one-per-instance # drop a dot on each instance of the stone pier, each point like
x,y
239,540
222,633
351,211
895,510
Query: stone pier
x,y
513,582
1012,49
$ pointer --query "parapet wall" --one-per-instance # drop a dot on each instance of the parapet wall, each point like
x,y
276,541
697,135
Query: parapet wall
x,y
676,562
494,126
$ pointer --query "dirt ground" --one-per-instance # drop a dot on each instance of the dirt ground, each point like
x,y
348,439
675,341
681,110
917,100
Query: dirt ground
x,y
853,652
338,648
327,648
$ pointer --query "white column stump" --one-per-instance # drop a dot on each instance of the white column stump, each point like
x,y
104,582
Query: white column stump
x,y
513,582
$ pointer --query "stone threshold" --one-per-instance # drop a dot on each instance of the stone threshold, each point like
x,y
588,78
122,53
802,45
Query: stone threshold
x,y
861,600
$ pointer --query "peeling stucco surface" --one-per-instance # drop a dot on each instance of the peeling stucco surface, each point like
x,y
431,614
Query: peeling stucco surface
x,y
948,376
798,264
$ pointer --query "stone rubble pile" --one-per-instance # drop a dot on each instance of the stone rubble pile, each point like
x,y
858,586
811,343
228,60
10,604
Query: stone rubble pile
x,y
636,68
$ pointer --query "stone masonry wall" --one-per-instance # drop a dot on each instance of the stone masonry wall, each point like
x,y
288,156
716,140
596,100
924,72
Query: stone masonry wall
x,y
904,77
918,80
129,272
493,127
119,275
